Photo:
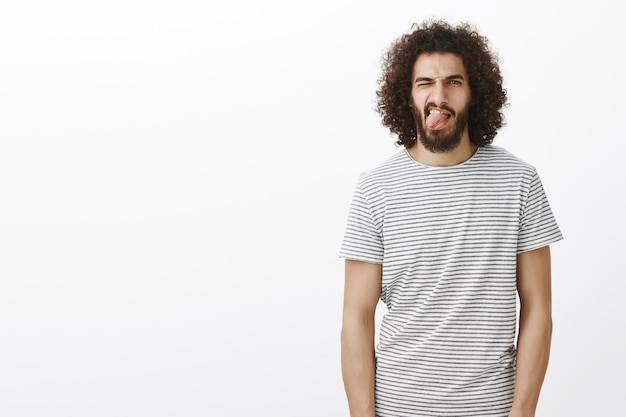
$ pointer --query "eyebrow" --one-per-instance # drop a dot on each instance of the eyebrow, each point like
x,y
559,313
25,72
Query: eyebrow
x,y
448,78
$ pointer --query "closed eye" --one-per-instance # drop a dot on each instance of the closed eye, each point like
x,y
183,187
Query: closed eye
x,y
455,79
422,81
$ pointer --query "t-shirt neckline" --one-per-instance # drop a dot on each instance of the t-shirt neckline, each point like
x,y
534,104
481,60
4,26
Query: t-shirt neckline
x,y
444,167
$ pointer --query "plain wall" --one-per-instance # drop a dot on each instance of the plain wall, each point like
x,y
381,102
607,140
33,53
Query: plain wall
x,y
175,179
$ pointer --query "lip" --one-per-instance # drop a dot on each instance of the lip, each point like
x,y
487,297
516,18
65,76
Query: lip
x,y
442,110
440,124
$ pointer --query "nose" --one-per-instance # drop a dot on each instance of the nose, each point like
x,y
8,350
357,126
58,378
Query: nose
x,y
438,94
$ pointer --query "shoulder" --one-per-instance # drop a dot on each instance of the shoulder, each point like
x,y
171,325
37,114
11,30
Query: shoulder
x,y
500,159
389,170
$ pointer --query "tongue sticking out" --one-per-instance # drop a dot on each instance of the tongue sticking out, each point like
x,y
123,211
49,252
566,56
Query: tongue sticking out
x,y
435,119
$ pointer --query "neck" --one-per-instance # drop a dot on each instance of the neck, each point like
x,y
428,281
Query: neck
x,y
458,155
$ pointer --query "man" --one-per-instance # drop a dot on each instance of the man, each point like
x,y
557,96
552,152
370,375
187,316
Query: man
x,y
447,232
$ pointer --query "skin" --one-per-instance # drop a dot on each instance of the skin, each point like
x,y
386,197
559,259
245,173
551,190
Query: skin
x,y
535,334
436,81
361,293
440,80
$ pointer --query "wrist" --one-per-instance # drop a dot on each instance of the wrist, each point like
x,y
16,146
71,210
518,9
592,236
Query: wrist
x,y
521,412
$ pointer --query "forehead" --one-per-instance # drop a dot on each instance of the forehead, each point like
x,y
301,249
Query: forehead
x,y
438,64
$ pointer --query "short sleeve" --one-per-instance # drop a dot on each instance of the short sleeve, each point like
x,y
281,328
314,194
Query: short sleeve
x,y
538,226
362,239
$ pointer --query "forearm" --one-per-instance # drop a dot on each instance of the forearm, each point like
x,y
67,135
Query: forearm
x,y
533,351
358,365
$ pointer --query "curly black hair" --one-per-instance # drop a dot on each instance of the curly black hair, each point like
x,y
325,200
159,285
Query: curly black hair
x,y
487,95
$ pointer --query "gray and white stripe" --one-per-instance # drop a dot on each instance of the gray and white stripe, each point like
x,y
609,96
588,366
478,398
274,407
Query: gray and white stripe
x,y
448,238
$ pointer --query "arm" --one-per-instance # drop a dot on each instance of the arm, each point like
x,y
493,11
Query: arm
x,y
361,294
535,332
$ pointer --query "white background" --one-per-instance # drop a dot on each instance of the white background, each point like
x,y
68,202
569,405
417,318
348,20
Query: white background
x,y
175,178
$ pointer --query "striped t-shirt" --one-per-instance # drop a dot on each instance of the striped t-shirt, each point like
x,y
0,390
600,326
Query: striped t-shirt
x,y
447,238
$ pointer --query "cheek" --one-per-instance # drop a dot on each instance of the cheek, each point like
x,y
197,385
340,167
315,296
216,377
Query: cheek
x,y
416,112
420,98
416,104
467,97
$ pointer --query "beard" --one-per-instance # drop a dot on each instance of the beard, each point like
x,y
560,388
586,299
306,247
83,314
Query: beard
x,y
445,140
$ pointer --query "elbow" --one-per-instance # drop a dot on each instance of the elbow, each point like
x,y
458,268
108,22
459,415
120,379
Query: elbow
x,y
550,326
357,318
537,317
356,326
